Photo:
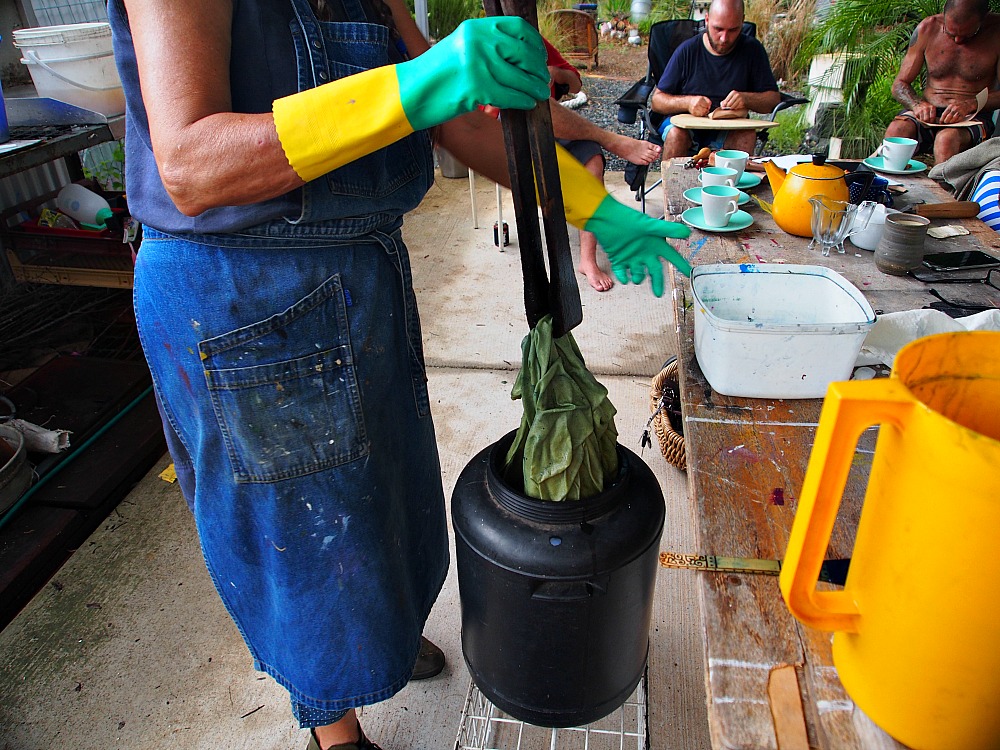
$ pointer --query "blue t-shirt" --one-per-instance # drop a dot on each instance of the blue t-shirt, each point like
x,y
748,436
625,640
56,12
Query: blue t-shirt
x,y
693,70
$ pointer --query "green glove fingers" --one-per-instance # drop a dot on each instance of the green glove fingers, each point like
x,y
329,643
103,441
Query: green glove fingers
x,y
635,243
498,60
636,273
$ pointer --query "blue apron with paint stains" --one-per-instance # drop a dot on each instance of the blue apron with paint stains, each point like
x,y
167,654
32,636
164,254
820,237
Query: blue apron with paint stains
x,y
288,361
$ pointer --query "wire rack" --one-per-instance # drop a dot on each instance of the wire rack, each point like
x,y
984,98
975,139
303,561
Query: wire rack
x,y
485,727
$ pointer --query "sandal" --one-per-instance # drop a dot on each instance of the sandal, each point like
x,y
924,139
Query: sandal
x,y
363,743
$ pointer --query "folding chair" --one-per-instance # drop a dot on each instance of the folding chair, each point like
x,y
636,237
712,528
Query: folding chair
x,y
664,39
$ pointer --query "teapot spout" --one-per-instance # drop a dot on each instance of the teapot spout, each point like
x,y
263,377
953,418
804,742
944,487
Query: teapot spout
x,y
775,176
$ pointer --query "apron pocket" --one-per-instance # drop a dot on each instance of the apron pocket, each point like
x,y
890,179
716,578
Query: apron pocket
x,y
286,416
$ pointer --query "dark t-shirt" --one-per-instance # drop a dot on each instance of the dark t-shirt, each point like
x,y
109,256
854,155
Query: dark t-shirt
x,y
694,70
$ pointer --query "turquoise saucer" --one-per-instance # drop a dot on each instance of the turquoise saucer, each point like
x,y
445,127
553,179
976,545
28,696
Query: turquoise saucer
x,y
696,218
694,195
878,164
749,180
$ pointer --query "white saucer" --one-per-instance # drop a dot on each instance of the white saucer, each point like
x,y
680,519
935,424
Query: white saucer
x,y
748,180
878,164
696,218
694,195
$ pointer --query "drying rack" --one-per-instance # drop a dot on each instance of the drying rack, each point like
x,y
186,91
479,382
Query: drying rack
x,y
486,727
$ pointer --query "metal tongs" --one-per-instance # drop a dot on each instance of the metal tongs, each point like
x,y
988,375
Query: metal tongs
x,y
531,153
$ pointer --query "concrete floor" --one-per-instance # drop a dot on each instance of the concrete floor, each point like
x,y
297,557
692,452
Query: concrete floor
x,y
129,646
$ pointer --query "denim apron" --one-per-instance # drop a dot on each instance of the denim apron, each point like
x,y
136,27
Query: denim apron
x,y
288,363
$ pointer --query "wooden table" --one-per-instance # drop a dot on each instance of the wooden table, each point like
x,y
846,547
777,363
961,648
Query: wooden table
x,y
746,462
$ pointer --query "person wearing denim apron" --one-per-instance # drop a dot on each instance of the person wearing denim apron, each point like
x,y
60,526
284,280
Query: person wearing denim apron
x,y
275,306
288,362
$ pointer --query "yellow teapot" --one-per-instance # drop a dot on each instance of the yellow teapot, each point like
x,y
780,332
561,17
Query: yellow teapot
x,y
791,208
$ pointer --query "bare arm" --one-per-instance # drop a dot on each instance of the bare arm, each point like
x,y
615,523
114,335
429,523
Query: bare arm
x,y
672,104
909,69
207,155
565,77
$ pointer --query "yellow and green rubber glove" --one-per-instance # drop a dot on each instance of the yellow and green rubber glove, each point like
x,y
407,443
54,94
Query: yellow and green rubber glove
x,y
498,61
634,242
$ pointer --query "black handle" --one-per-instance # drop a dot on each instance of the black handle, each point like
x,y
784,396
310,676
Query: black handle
x,y
531,155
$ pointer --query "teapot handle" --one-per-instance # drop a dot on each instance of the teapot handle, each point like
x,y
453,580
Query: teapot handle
x,y
848,410
868,177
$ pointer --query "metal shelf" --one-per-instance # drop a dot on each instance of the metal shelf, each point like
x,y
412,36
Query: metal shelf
x,y
486,727
62,129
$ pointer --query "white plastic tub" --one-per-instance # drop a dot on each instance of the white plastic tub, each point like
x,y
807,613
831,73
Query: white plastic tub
x,y
776,331
73,63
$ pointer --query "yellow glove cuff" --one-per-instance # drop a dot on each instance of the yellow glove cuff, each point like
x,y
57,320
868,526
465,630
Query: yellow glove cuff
x,y
331,125
582,192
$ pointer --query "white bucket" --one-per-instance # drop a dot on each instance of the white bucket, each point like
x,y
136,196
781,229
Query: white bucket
x,y
776,331
73,63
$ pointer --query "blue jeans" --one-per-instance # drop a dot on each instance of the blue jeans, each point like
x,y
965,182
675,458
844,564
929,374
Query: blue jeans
x,y
290,373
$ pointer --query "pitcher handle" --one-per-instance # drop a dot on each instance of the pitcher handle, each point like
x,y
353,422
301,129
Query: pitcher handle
x,y
848,410
863,213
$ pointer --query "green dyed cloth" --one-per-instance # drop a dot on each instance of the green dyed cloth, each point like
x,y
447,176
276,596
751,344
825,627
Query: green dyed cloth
x,y
566,444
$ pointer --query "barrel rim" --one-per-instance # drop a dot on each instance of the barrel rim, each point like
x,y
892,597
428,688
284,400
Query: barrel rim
x,y
549,511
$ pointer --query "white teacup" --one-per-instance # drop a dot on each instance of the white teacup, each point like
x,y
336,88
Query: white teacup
x,y
718,204
718,176
733,159
897,152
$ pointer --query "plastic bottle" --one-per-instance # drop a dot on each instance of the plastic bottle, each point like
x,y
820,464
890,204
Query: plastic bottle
x,y
86,206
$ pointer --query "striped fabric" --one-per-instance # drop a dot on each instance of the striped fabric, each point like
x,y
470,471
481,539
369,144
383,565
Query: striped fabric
x,y
987,195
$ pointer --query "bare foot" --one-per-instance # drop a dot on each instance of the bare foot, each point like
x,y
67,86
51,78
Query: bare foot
x,y
634,150
599,280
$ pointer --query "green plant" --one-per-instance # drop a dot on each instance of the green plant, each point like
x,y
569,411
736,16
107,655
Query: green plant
x,y
789,134
444,16
547,26
608,9
105,165
664,10
781,27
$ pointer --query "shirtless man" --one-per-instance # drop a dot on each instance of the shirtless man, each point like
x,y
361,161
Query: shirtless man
x,y
961,49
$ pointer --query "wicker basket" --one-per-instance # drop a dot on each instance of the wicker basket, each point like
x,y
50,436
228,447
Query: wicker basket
x,y
666,391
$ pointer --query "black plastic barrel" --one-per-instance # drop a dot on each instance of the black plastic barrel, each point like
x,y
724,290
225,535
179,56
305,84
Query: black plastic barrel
x,y
556,597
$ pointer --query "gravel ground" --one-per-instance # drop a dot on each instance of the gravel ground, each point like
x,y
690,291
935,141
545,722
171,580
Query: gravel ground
x,y
600,109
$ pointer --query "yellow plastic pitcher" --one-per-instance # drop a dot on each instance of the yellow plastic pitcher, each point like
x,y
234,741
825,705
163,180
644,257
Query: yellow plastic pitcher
x,y
917,642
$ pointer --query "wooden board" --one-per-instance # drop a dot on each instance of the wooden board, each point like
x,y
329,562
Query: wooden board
x,y
690,122
112,275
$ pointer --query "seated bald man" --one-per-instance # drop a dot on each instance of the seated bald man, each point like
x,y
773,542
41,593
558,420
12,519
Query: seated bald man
x,y
718,68
960,48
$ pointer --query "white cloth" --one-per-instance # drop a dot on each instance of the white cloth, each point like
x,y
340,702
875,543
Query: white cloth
x,y
963,171
893,331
